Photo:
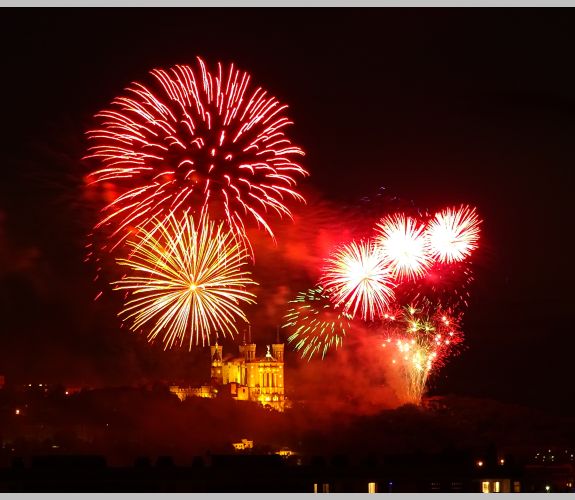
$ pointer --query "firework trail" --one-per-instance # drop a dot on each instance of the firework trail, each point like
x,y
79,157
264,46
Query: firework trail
x,y
195,139
453,234
358,280
422,338
185,281
318,326
404,246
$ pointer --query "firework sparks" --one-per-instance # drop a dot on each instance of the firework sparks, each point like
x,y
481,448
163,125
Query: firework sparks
x,y
453,234
404,247
318,327
195,138
447,284
358,280
185,280
422,339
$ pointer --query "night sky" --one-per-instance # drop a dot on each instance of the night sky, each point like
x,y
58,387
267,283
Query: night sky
x,y
436,106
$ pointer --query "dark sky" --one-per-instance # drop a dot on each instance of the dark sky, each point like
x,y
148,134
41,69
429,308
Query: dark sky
x,y
439,106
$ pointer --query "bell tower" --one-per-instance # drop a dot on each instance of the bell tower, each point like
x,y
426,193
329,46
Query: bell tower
x,y
216,352
278,352
278,348
249,349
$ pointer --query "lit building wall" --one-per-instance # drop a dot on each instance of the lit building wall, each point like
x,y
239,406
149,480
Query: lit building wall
x,y
233,372
496,486
262,379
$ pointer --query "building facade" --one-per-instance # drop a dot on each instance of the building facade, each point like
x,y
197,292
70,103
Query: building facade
x,y
246,377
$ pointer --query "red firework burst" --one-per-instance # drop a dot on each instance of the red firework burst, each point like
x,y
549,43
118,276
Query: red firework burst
x,y
453,234
423,338
195,139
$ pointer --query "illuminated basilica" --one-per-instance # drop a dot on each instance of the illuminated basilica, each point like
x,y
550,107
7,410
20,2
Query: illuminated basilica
x,y
246,377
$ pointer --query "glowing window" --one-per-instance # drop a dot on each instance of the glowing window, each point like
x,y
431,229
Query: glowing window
x,y
485,487
315,487
325,488
371,488
496,487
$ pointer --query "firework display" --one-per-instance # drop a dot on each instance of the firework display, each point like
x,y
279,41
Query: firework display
x,y
422,337
185,281
358,280
194,138
404,246
453,234
316,325
194,157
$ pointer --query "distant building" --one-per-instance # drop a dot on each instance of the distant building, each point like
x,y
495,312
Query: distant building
x,y
246,377
244,444
286,452
204,391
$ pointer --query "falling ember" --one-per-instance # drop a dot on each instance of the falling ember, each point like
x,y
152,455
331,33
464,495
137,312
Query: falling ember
x,y
453,234
194,138
447,284
316,325
404,246
185,281
358,280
